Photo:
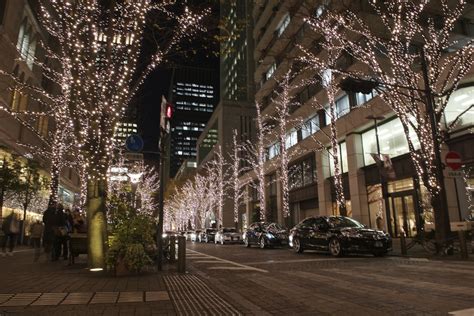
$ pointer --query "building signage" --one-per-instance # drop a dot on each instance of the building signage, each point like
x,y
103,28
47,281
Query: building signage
x,y
453,160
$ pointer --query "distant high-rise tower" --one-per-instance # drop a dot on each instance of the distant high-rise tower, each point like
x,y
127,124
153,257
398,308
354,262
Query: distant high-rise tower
x,y
194,94
237,66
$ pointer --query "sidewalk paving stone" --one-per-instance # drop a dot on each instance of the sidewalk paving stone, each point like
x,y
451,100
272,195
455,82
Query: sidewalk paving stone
x,y
77,299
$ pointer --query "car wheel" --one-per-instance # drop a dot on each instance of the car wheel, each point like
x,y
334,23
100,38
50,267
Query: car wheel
x,y
261,243
297,246
379,253
335,247
246,242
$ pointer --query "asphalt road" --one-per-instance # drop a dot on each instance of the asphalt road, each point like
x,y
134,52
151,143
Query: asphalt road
x,y
279,281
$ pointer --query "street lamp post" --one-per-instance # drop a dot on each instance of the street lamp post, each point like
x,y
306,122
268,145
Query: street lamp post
x,y
134,179
383,181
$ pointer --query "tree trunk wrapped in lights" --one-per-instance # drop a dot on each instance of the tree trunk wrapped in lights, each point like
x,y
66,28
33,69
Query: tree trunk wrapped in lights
x,y
256,157
238,186
326,78
394,42
285,104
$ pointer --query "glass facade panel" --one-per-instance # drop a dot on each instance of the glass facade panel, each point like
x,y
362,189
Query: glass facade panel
x,y
343,162
392,141
291,139
310,127
342,106
460,102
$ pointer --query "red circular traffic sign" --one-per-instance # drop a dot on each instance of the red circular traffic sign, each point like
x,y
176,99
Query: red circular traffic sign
x,y
453,160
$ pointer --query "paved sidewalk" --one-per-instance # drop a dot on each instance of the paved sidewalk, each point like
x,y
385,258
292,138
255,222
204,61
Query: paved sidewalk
x,y
56,288
417,251
53,288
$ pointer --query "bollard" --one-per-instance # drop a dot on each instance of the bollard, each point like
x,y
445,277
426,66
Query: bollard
x,y
181,254
172,248
463,244
403,244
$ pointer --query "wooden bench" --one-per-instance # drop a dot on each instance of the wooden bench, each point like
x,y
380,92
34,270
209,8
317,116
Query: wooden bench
x,y
77,246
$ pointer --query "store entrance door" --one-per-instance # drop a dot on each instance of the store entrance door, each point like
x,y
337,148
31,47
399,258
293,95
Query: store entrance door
x,y
403,211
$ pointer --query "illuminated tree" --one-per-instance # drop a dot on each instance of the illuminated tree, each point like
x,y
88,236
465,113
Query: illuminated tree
x,y
236,170
326,78
256,157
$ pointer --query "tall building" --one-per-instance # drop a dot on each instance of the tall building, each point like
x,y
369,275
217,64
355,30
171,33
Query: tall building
x,y
194,94
236,109
20,134
279,28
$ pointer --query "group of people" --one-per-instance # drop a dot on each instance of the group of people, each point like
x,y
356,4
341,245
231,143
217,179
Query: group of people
x,y
58,224
54,231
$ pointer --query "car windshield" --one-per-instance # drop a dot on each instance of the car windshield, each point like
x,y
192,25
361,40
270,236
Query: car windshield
x,y
210,230
340,221
275,226
229,230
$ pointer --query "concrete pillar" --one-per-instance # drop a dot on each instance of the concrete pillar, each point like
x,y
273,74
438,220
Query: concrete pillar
x,y
355,159
324,186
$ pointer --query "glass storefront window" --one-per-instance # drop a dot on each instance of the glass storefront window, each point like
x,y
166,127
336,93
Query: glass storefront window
x,y
459,102
392,141
376,204
400,185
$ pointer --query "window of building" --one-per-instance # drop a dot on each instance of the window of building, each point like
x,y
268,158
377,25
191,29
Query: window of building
x,y
459,108
310,127
26,43
273,150
272,183
302,173
270,71
283,25
362,98
342,106
42,125
291,139
392,141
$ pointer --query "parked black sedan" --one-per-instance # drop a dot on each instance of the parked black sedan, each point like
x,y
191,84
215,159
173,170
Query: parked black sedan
x,y
265,235
338,235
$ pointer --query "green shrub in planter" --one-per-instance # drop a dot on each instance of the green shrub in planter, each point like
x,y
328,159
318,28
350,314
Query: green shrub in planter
x,y
132,246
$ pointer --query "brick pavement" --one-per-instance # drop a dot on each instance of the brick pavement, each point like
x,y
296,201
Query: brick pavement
x,y
55,288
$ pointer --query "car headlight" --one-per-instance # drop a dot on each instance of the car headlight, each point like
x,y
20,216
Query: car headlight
x,y
269,236
164,235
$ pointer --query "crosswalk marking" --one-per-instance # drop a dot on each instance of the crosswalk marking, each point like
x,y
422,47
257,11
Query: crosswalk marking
x,y
241,267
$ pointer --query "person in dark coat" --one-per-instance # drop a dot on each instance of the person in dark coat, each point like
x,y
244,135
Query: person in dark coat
x,y
49,223
60,231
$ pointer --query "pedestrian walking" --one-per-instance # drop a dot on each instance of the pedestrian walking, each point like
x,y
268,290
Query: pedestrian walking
x,y
36,232
10,228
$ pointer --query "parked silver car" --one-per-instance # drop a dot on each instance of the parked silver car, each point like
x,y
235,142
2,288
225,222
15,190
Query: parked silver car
x,y
228,235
